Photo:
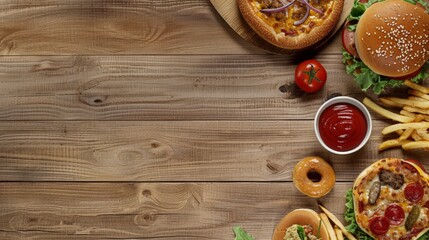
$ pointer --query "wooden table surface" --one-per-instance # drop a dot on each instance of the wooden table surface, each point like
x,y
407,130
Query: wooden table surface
x,y
150,119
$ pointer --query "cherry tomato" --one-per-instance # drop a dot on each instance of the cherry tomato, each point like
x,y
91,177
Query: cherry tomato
x,y
310,76
395,214
348,38
379,225
414,192
411,167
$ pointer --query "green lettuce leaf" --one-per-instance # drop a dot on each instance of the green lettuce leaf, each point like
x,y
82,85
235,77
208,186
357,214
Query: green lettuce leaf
x,y
241,234
301,232
367,79
349,217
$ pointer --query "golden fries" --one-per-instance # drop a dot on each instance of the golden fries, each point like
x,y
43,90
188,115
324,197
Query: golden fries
x,y
404,126
418,94
416,145
413,118
416,86
385,113
423,133
392,143
328,226
407,102
339,233
338,223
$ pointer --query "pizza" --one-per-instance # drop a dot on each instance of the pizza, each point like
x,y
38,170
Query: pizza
x,y
391,200
291,24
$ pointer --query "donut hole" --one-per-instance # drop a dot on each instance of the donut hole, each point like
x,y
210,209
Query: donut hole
x,y
314,176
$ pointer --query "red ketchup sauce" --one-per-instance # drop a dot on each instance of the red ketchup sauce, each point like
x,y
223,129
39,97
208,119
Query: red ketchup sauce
x,y
342,126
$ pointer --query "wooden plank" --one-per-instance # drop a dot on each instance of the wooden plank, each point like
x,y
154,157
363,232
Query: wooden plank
x,y
150,211
209,87
51,27
171,151
94,27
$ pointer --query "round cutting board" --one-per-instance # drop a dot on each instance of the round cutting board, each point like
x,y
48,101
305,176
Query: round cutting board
x,y
229,11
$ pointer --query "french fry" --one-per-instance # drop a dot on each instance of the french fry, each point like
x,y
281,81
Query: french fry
x,y
338,233
416,110
407,102
328,226
391,103
391,143
418,94
423,133
337,222
408,114
406,134
385,113
416,137
395,127
412,98
416,116
416,86
416,145
413,118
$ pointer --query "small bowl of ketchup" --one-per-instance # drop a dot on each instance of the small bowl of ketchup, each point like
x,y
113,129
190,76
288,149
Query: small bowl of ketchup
x,y
342,125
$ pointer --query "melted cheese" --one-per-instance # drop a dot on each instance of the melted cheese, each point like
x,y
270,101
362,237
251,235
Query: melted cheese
x,y
287,24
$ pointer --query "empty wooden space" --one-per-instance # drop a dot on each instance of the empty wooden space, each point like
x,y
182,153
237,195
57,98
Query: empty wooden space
x,y
148,119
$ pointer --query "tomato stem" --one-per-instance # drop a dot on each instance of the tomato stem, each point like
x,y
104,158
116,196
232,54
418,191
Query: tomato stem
x,y
312,74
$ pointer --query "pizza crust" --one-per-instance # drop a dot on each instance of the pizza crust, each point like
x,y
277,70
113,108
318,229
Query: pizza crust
x,y
299,42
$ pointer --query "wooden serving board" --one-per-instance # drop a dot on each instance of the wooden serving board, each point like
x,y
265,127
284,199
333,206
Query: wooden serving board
x,y
229,11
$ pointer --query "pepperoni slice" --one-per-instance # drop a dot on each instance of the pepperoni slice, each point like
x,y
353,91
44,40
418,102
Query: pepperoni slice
x,y
414,192
379,225
395,214
411,167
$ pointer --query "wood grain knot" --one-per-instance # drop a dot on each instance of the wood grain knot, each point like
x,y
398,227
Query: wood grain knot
x,y
93,101
146,193
145,219
273,168
290,91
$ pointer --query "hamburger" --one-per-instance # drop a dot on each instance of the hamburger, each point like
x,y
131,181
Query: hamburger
x,y
386,42
301,224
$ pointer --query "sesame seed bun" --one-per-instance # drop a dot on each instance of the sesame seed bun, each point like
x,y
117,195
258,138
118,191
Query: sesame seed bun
x,y
392,38
301,216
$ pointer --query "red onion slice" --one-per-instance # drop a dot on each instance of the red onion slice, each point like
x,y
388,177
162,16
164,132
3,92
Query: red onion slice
x,y
277,10
312,8
302,20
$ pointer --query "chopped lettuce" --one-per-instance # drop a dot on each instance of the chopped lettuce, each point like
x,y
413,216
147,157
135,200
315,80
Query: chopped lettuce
x,y
241,234
367,79
349,216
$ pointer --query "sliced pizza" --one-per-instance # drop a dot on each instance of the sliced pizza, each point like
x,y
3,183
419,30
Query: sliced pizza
x,y
391,200
292,24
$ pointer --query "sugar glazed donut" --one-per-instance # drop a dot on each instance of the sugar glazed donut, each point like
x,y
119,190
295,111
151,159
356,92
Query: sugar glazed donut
x,y
314,177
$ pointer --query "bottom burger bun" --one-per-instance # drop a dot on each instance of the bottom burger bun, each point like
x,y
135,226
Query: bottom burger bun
x,y
301,216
